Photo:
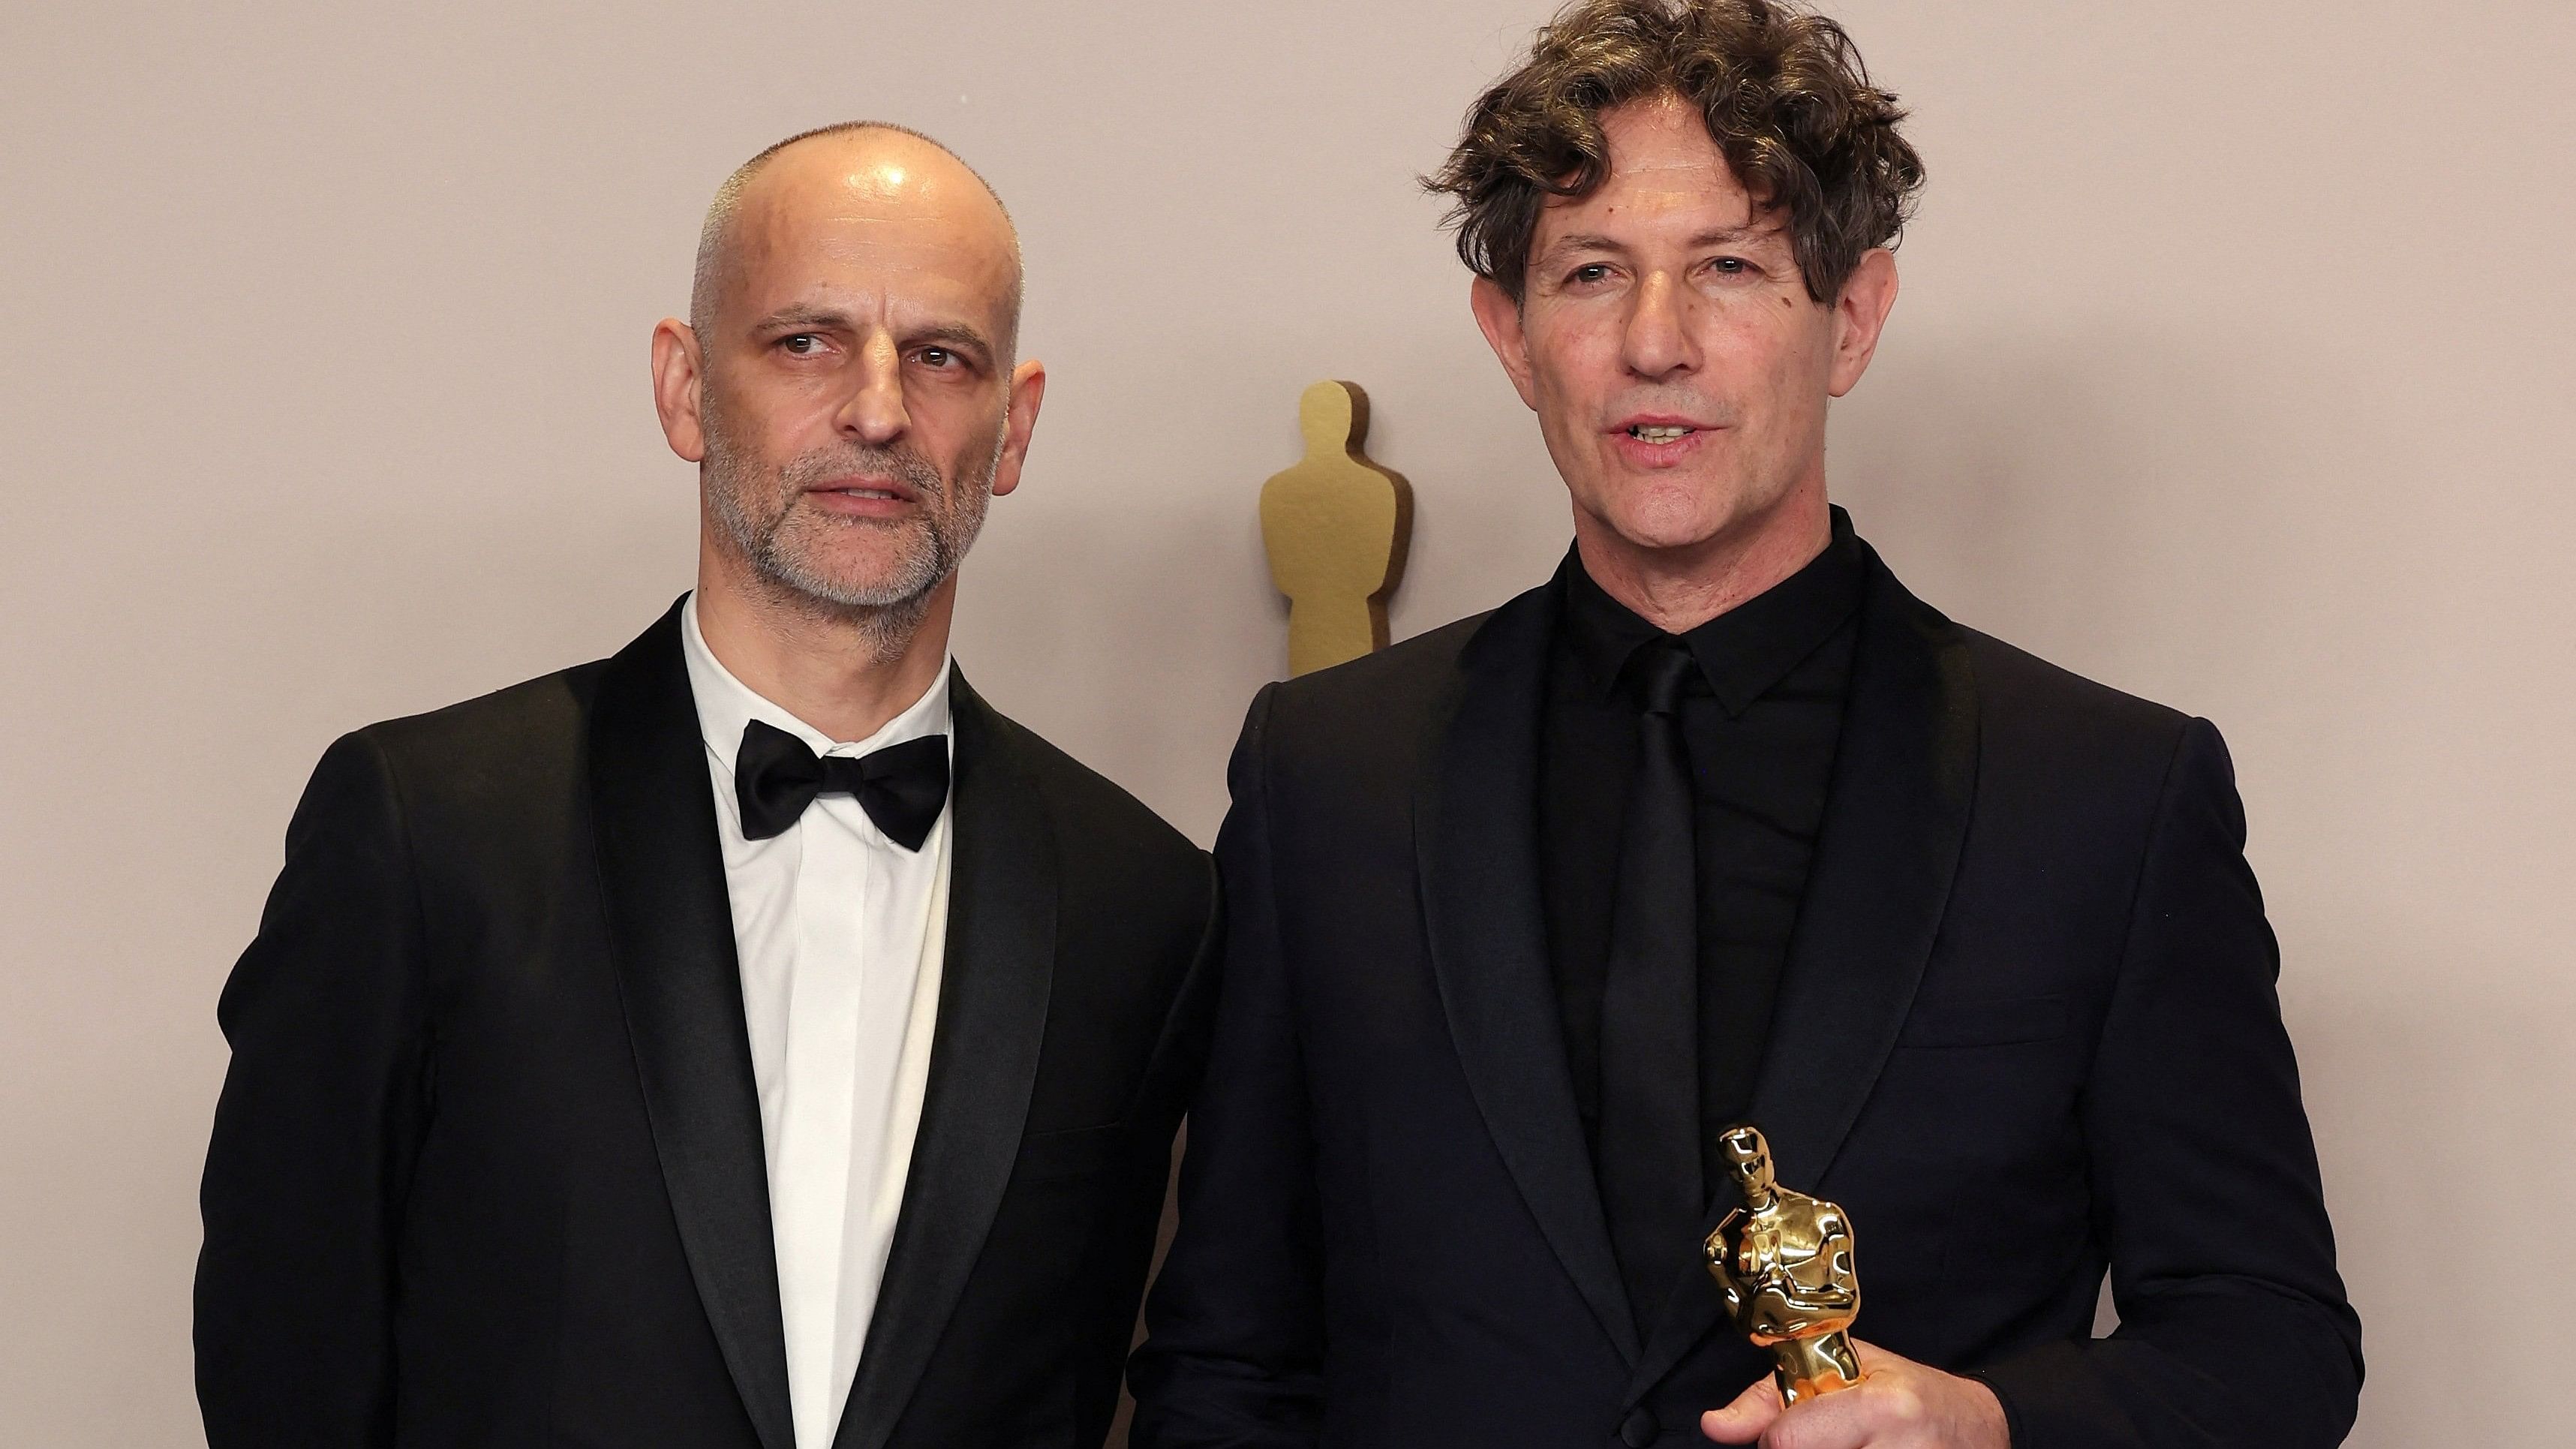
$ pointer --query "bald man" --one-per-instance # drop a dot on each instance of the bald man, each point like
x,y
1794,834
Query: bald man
x,y
753,1040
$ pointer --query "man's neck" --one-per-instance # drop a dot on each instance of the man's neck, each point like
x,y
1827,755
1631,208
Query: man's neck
x,y
1679,589
834,672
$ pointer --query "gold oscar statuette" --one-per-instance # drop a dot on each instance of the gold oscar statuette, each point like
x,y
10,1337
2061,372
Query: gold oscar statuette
x,y
1784,1263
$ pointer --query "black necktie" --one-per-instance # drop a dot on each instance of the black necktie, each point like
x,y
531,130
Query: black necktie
x,y
1649,1133
902,787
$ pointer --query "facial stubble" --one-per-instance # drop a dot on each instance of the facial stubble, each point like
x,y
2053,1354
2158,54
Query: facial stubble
x,y
788,543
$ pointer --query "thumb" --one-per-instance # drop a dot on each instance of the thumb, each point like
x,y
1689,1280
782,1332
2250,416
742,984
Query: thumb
x,y
1743,1421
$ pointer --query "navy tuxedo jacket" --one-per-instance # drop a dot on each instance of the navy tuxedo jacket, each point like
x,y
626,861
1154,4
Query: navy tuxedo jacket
x,y
2027,1031
487,1169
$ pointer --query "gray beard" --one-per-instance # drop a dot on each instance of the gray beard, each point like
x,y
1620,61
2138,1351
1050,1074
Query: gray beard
x,y
887,612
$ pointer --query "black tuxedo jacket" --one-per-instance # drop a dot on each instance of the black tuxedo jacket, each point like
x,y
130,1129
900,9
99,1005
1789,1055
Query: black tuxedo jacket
x,y
487,1168
2027,1029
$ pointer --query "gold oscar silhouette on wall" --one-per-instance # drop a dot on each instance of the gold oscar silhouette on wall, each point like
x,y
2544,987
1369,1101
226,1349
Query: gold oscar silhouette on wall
x,y
1336,527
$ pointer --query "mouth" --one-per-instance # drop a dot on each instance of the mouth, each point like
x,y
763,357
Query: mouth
x,y
863,496
1660,429
1659,440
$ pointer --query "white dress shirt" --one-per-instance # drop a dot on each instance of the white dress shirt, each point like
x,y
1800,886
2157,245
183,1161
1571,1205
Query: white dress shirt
x,y
839,932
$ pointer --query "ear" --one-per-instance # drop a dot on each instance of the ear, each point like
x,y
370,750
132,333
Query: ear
x,y
1028,390
1860,313
1499,318
678,366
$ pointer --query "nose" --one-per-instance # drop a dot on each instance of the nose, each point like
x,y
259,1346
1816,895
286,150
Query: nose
x,y
874,413
1658,343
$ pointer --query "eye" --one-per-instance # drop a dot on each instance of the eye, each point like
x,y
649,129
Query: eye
x,y
801,344
1589,274
937,357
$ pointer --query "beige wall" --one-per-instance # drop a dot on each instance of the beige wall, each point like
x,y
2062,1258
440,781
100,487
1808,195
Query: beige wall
x,y
2231,369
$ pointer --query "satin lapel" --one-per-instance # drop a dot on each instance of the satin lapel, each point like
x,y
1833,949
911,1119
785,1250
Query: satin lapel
x,y
983,1060
1896,816
670,926
1476,833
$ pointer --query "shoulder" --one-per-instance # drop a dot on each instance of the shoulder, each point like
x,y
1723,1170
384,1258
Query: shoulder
x,y
2046,733
1371,706
1096,821
505,719
539,717
2020,682
1407,676
1134,896
498,753
489,767
2021,703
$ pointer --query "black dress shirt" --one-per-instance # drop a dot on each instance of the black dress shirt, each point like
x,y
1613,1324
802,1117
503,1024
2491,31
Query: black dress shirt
x,y
1761,719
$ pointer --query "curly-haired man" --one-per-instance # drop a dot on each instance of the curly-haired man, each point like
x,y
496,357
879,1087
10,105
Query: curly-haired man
x,y
1720,825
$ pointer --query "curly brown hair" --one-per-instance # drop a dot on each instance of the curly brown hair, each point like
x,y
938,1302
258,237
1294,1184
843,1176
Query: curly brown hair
x,y
1786,99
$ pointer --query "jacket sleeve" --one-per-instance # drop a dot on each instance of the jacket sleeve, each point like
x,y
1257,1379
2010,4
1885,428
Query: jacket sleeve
x,y
2234,1328
1234,1351
321,1117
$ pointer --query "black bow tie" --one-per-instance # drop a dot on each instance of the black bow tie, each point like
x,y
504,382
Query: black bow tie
x,y
902,787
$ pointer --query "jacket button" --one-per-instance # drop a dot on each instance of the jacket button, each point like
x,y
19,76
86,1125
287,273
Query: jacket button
x,y
1638,1429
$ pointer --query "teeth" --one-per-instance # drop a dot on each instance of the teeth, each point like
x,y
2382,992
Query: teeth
x,y
867,493
1659,434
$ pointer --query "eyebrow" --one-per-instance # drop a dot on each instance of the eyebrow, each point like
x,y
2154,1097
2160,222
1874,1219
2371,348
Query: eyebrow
x,y
1718,236
802,317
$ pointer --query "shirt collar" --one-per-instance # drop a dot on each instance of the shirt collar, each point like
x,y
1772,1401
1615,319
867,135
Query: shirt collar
x,y
1741,653
726,704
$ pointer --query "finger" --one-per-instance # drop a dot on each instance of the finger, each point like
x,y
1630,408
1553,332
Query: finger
x,y
1742,1421
1845,1420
